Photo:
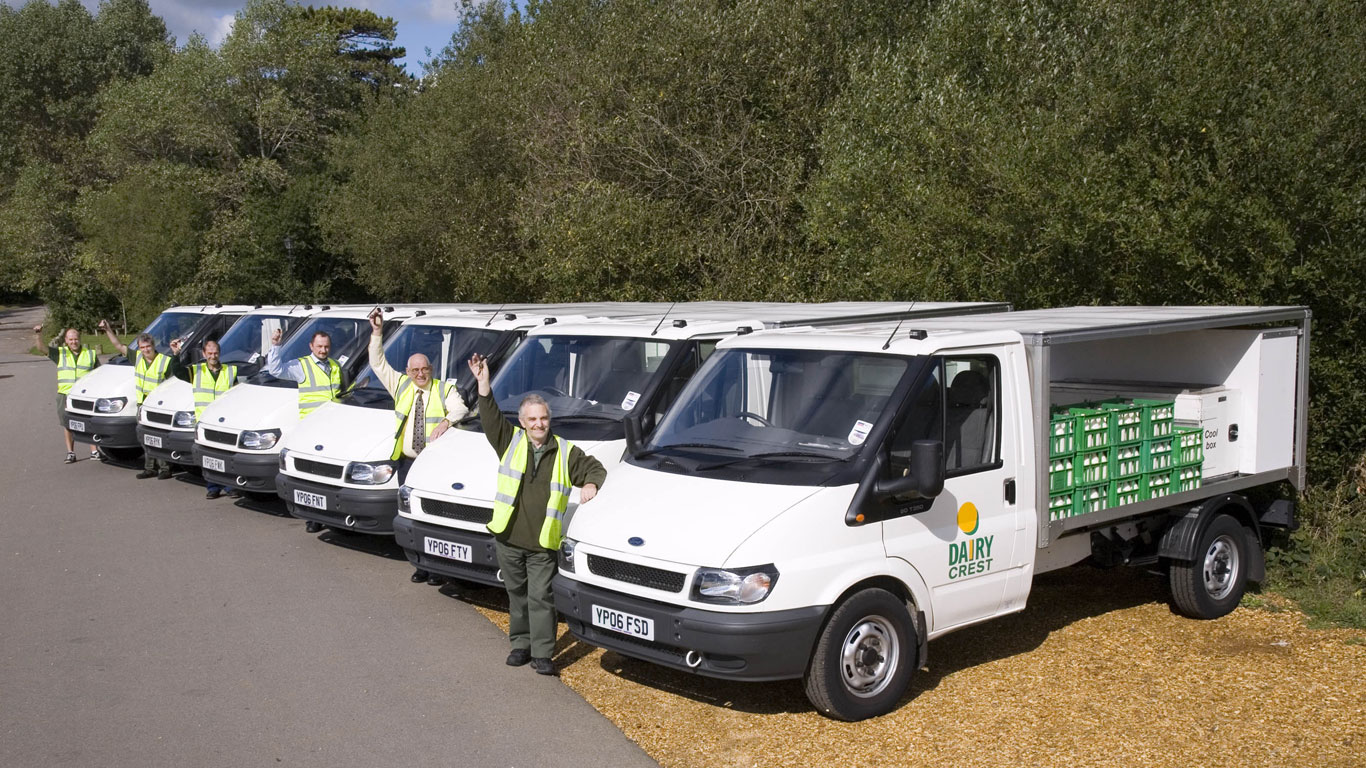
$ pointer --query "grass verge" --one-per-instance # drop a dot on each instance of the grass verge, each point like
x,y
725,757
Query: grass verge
x,y
1322,566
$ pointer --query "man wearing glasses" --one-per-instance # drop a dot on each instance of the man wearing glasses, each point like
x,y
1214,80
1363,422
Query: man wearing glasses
x,y
424,407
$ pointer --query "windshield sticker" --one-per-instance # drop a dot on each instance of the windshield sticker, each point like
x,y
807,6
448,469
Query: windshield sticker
x,y
342,359
630,402
254,357
859,433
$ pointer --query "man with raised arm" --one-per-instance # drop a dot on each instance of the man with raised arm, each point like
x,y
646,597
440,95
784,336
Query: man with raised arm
x,y
536,470
73,360
318,375
424,407
150,368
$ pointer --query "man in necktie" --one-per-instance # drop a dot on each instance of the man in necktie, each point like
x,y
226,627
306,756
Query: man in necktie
x,y
424,407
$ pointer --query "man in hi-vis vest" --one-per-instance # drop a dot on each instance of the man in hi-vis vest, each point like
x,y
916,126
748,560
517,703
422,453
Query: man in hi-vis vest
x,y
73,360
424,407
150,368
536,470
318,375
208,380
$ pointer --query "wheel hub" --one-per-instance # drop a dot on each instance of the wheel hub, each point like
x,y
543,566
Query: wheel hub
x,y
1220,567
871,652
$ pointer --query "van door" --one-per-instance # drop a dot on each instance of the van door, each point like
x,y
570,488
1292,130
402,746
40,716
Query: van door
x,y
963,543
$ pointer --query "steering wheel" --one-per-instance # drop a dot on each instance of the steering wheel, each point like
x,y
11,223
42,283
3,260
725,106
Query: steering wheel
x,y
550,391
751,415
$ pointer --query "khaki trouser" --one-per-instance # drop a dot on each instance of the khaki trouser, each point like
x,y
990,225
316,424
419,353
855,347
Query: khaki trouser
x,y
531,605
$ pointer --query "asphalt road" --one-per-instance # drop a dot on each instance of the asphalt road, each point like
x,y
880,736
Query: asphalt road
x,y
143,625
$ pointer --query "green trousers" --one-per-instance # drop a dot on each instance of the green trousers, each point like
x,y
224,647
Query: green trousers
x,y
531,605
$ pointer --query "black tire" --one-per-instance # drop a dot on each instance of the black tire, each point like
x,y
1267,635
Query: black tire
x,y
1213,582
864,658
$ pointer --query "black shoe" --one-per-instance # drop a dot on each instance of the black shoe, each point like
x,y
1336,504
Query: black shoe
x,y
518,657
146,473
312,527
420,576
435,581
215,493
70,458
234,493
543,666
164,474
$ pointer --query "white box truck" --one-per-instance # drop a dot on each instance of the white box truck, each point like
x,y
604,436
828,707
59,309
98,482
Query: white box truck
x,y
819,503
336,466
102,408
592,374
166,426
237,442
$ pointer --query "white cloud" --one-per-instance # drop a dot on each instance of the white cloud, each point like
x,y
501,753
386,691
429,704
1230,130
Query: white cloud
x,y
445,10
221,29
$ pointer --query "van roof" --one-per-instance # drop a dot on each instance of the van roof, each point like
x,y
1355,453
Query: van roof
x,y
1039,327
696,319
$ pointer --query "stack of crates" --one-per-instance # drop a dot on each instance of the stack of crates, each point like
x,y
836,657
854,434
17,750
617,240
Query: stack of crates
x,y
1115,452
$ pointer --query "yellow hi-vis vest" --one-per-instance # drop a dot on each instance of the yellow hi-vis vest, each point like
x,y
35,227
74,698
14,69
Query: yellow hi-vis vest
x,y
510,470
207,388
71,367
314,390
149,375
433,408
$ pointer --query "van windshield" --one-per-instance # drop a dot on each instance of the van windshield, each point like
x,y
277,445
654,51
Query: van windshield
x,y
780,405
171,325
446,348
582,378
248,340
343,330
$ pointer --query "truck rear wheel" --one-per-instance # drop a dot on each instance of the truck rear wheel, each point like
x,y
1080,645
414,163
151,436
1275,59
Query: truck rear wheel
x,y
1212,583
864,658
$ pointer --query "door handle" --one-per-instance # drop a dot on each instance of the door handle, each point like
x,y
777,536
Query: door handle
x,y
1010,490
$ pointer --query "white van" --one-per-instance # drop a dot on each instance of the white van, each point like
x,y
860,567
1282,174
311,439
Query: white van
x,y
336,466
820,503
102,407
237,442
166,426
592,374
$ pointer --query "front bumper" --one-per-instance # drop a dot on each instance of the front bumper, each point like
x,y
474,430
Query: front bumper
x,y
176,446
363,511
250,472
774,645
104,431
482,568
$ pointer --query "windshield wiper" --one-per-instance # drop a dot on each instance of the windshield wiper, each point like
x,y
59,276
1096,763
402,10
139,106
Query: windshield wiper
x,y
774,455
586,417
658,448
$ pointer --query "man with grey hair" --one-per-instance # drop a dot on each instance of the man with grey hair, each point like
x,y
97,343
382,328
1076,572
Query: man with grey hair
x,y
150,368
535,474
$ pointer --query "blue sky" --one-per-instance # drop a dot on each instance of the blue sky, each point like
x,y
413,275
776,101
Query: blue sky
x,y
421,23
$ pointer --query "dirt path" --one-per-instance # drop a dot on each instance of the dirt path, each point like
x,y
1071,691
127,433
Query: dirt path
x,y
1098,671
16,328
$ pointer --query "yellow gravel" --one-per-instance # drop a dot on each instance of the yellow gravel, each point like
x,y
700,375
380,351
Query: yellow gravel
x,y
1097,671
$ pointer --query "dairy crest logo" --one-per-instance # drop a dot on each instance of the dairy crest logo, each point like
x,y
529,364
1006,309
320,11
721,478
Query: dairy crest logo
x,y
972,555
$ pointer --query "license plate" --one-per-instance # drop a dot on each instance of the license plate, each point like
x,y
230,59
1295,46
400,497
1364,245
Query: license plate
x,y
216,465
151,441
314,500
625,623
447,549
75,426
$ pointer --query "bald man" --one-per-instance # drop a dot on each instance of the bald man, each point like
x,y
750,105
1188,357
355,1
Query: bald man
x,y
424,406
73,360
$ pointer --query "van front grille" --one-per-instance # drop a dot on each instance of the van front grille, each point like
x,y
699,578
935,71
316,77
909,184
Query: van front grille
x,y
631,573
453,511
214,436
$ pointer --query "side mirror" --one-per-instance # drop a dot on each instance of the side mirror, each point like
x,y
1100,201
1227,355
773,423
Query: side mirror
x,y
926,478
633,433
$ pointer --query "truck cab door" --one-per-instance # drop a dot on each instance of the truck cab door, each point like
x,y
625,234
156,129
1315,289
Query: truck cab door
x,y
963,541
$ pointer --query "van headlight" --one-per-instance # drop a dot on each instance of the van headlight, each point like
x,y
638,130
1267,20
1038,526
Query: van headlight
x,y
183,418
259,440
567,547
110,404
283,453
376,473
405,498
735,586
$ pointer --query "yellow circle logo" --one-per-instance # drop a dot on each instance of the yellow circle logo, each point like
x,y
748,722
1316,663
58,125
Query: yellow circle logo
x,y
967,518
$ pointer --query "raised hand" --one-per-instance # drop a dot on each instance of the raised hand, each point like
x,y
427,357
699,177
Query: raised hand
x,y
376,321
275,336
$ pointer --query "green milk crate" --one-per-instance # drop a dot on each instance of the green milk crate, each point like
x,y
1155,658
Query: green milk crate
x,y
1159,454
1062,433
1095,428
1158,416
1092,467
1091,498
1157,484
1061,505
1189,447
1126,460
1126,421
1126,490
1060,473
1186,478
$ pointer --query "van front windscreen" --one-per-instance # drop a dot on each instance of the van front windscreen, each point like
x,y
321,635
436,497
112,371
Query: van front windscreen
x,y
342,330
582,378
447,349
171,325
781,405
248,340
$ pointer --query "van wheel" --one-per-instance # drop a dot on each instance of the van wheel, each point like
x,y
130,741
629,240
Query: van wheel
x,y
1212,583
864,658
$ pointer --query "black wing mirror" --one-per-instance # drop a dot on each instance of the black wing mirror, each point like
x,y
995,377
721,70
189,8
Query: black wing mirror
x,y
926,478
634,430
